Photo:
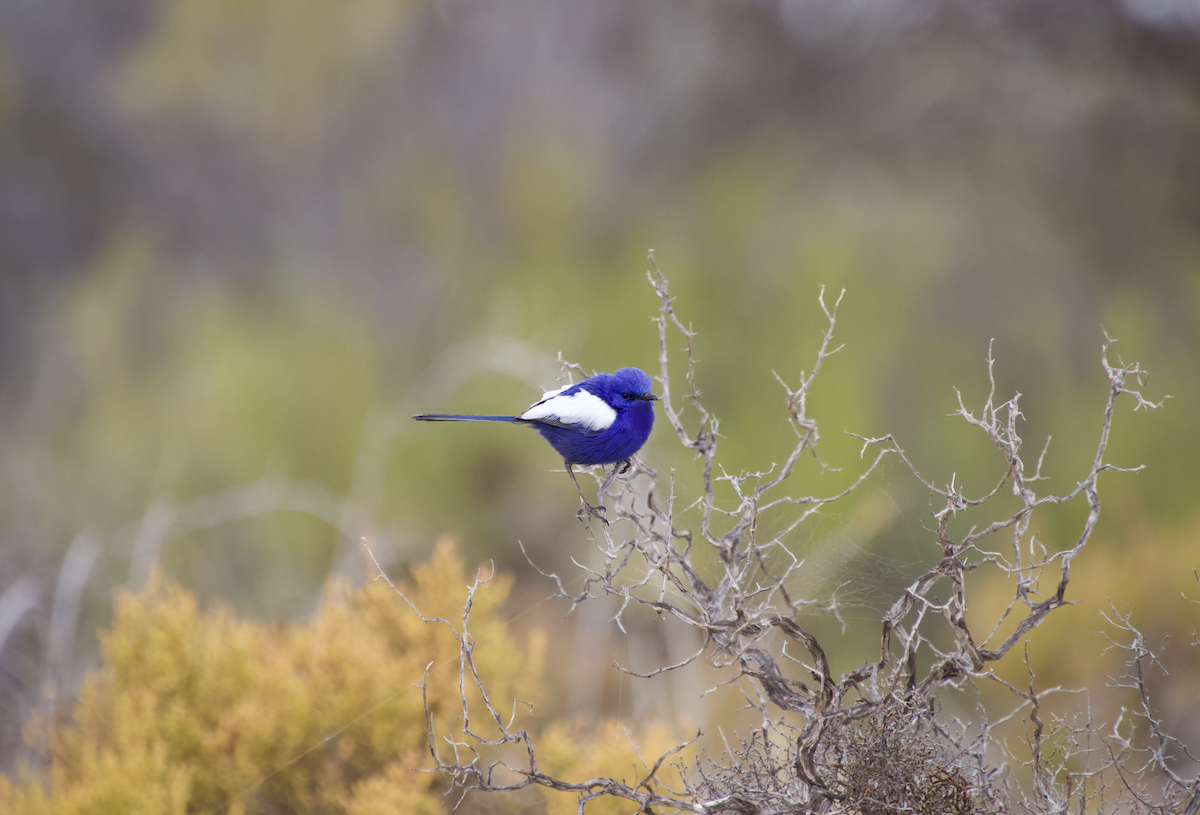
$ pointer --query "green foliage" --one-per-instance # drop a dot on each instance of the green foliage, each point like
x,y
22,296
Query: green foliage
x,y
230,382
270,69
171,393
197,711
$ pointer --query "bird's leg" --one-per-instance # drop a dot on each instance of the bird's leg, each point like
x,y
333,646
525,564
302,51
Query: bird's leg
x,y
617,470
587,510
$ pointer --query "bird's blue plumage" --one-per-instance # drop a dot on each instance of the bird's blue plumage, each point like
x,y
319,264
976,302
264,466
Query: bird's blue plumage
x,y
604,419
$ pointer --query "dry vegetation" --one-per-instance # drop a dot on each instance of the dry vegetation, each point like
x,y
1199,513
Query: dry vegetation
x,y
372,708
870,740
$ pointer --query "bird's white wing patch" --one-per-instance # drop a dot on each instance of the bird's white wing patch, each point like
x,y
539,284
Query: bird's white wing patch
x,y
581,408
554,392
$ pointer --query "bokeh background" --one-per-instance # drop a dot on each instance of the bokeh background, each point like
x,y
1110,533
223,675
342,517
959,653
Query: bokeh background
x,y
242,242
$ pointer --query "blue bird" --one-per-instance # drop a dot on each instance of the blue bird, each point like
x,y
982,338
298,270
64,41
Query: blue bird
x,y
604,419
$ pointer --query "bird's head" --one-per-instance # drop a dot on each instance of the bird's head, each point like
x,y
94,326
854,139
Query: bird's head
x,y
629,386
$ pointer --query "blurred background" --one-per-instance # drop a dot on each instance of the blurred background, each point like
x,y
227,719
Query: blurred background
x,y
242,242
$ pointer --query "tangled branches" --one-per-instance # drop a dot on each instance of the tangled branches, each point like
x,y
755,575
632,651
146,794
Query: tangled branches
x,y
869,740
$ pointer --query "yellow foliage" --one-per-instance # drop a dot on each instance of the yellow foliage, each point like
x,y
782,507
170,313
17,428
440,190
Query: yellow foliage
x,y
398,789
202,712
570,752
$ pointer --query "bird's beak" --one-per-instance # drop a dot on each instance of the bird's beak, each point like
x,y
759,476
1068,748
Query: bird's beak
x,y
647,397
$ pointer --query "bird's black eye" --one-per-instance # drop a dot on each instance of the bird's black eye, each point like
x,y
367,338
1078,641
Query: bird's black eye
x,y
627,395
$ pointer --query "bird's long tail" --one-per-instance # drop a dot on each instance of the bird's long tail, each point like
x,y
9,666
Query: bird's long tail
x,y
454,417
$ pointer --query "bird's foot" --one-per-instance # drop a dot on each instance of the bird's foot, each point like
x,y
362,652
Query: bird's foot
x,y
588,511
625,465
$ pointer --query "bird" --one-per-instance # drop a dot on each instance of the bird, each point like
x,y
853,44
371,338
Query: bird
x,y
603,419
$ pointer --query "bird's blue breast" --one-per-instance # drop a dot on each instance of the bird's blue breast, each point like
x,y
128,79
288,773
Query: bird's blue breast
x,y
619,441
